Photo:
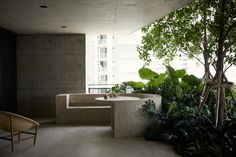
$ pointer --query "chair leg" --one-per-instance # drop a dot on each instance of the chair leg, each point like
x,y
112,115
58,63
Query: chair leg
x,y
19,137
12,142
12,136
35,134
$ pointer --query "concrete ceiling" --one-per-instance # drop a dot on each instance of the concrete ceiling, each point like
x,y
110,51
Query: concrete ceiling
x,y
83,16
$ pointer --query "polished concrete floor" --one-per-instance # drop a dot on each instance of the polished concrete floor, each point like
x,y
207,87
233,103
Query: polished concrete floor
x,y
87,141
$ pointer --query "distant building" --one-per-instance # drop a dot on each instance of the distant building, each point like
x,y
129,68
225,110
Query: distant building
x,y
101,68
111,60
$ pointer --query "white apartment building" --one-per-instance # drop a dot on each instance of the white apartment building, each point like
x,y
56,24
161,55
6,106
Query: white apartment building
x,y
101,68
111,60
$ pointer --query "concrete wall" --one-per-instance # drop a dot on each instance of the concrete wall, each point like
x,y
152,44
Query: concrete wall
x,y
7,70
48,65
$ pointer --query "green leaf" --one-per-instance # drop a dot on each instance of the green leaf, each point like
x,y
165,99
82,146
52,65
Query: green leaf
x,y
147,74
191,80
178,91
172,107
136,85
180,73
172,75
158,80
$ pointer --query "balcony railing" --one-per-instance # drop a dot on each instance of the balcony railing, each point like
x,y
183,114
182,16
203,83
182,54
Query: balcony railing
x,y
99,88
104,88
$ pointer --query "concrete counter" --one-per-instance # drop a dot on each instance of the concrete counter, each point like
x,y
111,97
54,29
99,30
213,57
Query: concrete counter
x,y
123,115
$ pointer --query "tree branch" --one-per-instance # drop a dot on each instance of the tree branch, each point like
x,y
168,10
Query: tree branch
x,y
226,48
229,44
199,46
229,29
194,57
228,67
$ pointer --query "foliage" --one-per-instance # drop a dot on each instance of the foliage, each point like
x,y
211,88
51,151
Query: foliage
x,y
193,30
175,86
179,123
230,107
190,133
154,80
205,27
180,31
225,32
119,88
147,74
137,86
179,90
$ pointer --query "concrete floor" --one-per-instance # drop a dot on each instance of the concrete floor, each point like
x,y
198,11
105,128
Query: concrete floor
x,y
87,141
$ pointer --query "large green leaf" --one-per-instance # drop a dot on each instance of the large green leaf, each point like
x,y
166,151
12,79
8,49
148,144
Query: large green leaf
x,y
157,80
180,73
191,80
171,73
147,74
136,85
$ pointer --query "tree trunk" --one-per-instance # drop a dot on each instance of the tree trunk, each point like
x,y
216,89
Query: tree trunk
x,y
207,75
220,66
222,106
205,47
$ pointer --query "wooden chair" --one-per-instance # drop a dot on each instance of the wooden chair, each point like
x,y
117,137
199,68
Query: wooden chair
x,y
17,124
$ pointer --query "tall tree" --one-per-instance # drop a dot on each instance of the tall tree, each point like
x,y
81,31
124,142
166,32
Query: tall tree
x,y
225,30
188,30
205,27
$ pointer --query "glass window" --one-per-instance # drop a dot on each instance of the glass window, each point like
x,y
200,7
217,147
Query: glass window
x,y
103,77
102,37
103,52
103,64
